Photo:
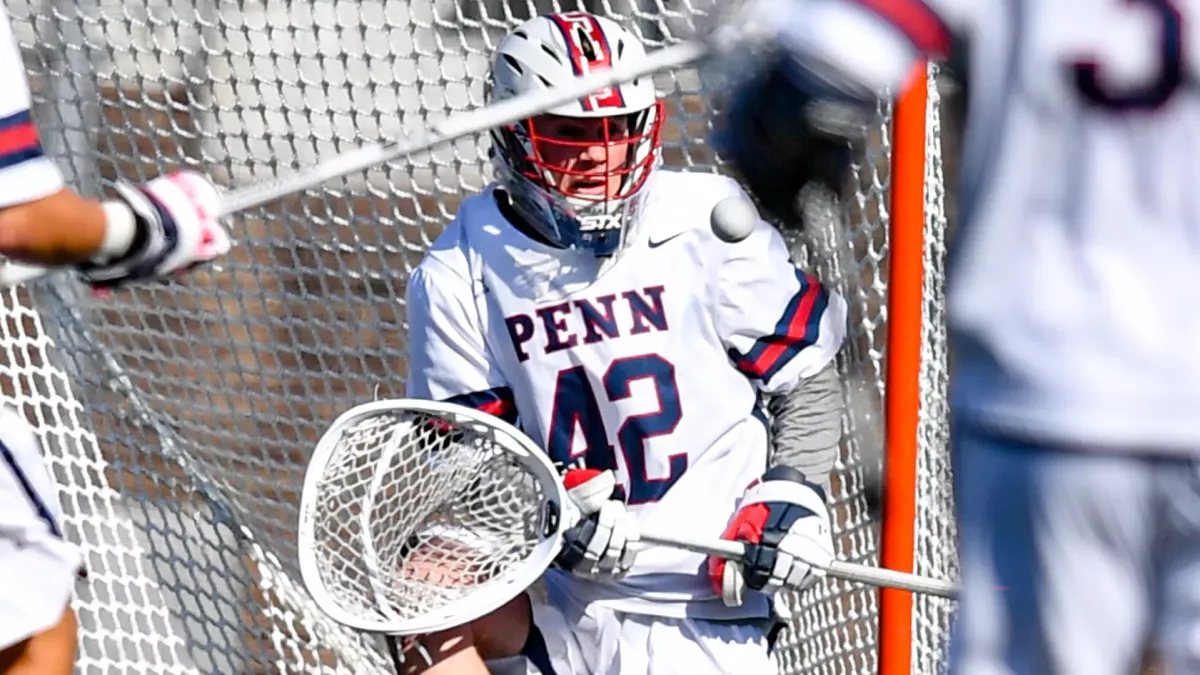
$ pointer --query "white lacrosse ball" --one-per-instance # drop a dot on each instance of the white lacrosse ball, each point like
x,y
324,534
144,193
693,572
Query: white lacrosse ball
x,y
733,219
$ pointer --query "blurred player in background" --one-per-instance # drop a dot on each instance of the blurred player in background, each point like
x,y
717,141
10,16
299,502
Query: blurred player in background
x,y
586,294
144,232
1073,294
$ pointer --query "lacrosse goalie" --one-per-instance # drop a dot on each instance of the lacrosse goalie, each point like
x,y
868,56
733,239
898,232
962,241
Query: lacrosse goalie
x,y
586,294
144,232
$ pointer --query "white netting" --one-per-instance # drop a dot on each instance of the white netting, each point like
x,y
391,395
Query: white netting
x,y
413,513
178,418
936,554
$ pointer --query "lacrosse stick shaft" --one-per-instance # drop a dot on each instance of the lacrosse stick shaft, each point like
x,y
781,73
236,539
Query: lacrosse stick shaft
x,y
865,574
450,129
463,124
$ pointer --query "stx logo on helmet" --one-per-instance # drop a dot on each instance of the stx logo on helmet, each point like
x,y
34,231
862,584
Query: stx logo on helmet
x,y
588,50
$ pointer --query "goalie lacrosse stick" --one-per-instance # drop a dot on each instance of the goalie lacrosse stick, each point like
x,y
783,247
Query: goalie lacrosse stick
x,y
418,516
838,569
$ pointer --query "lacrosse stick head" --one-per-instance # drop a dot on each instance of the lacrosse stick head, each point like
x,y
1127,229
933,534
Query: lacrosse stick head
x,y
418,516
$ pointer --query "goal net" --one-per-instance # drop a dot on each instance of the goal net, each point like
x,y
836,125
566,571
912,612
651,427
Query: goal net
x,y
177,418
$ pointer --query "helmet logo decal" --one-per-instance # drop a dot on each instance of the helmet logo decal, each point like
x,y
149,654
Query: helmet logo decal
x,y
588,51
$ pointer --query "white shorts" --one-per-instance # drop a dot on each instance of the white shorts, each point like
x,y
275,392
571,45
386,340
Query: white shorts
x,y
568,638
1073,561
39,567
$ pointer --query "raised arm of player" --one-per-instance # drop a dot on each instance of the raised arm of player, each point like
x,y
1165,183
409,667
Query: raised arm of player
x,y
874,43
792,122
146,231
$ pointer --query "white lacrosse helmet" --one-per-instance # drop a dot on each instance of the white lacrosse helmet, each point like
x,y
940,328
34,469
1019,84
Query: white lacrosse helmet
x,y
570,182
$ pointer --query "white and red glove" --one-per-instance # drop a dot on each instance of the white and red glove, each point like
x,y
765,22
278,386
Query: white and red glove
x,y
164,227
784,519
602,545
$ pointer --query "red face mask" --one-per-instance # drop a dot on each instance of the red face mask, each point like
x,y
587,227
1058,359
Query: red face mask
x,y
593,159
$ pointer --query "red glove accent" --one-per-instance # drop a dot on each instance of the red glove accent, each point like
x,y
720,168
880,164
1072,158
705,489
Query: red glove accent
x,y
746,526
573,478
589,488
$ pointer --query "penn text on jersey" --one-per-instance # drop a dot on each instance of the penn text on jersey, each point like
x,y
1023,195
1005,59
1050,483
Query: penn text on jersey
x,y
586,321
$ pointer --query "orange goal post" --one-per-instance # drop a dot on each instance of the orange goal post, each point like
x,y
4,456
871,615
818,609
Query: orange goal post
x,y
177,418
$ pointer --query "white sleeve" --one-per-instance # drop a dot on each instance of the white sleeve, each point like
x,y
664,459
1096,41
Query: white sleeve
x,y
32,547
877,42
26,174
778,323
448,358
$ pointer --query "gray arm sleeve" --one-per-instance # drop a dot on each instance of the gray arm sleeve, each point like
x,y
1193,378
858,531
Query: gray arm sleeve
x,y
806,426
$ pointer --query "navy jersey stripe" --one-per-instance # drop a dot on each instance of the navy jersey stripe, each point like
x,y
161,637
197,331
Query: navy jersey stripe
x,y
798,328
18,140
27,487
497,401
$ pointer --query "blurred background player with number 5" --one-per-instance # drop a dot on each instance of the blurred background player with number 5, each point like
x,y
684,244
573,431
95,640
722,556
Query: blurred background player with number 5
x,y
144,232
586,294
1074,280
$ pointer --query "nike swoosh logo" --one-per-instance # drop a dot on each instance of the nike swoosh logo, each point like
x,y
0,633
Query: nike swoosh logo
x,y
660,242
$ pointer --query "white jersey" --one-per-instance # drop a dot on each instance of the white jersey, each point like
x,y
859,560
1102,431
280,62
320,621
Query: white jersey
x,y
26,174
39,567
1075,272
651,366
32,550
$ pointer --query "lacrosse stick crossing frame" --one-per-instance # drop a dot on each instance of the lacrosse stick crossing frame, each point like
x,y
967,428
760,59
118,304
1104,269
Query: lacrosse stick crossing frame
x,y
452,128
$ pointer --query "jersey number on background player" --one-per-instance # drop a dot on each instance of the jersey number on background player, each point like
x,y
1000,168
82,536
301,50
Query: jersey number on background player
x,y
577,408
1157,88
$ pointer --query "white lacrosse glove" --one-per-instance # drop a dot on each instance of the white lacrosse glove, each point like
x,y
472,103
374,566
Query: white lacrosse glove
x,y
784,520
171,225
601,545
